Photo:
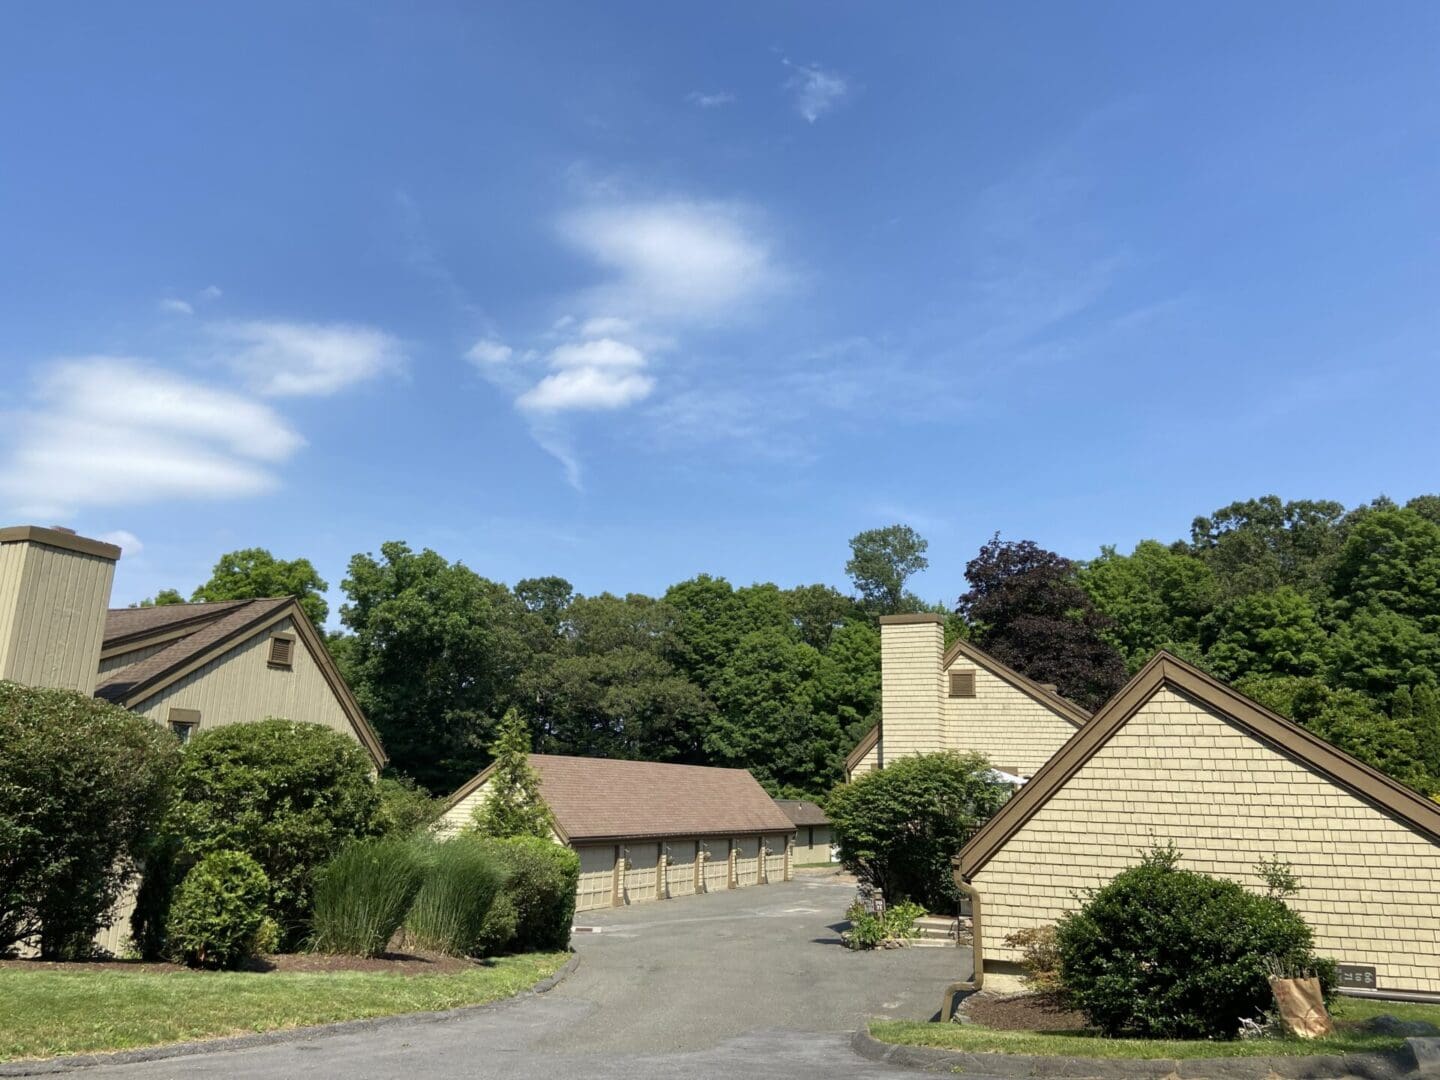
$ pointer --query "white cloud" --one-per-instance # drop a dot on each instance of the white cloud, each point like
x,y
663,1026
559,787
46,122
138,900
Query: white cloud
x,y
815,90
172,306
489,353
586,388
112,431
287,359
604,353
211,292
128,543
710,101
674,260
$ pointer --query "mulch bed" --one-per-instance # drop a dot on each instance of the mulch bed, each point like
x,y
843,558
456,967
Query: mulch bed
x,y
1021,1012
407,963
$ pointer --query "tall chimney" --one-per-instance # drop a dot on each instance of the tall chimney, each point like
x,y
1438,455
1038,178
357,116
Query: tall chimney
x,y
912,684
54,590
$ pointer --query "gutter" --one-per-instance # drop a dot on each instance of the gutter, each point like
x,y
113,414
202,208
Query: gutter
x,y
976,982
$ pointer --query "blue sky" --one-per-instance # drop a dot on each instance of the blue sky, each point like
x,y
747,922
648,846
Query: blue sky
x,y
630,292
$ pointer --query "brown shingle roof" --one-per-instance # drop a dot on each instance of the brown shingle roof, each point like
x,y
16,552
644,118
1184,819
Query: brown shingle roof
x,y
802,812
124,623
601,799
233,617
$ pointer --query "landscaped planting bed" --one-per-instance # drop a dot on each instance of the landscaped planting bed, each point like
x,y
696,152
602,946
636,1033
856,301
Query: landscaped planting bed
x,y
53,1009
1036,1025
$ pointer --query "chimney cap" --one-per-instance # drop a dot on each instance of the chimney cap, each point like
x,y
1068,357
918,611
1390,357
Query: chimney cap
x,y
64,539
910,620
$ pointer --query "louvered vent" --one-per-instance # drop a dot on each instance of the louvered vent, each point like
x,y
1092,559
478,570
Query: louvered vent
x,y
282,651
962,683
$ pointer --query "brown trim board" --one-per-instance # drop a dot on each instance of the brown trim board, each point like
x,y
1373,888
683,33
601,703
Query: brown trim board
x,y
864,746
1370,785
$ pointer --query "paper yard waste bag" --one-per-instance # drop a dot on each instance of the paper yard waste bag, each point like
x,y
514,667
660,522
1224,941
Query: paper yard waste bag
x,y
1302,1007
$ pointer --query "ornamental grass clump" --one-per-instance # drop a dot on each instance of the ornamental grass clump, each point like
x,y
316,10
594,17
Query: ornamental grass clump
x,y
363,894
461,883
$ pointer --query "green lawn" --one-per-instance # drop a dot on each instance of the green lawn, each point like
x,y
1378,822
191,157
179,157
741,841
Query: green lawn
x,y
71,1012
975,1039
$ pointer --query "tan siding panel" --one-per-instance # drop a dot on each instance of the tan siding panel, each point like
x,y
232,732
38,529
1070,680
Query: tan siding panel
x,y
597,877
240,686
912,688
805,852
54,615
1178,772
775,860
1011,729
134,656
747,863
640,872
717,864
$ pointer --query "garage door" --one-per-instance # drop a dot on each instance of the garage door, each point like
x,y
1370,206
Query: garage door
x,y
747,862
597,877
680,873
640,872
717,866
775,861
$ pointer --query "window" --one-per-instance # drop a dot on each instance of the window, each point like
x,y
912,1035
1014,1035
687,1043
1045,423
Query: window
x,y
962,683
183,723
282,651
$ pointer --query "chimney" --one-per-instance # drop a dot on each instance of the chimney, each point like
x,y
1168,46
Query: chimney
x,y
54,590
912,684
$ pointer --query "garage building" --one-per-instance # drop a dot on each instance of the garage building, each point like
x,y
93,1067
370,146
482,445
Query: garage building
x,y
650,831
813,832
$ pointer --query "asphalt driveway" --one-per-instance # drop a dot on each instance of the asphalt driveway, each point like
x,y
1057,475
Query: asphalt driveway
x,y
752,984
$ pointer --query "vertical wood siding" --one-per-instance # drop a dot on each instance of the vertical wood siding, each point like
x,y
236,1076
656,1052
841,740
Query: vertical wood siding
x,y
52,615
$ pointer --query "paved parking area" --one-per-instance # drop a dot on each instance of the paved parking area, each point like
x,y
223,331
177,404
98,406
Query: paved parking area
x,y
752,984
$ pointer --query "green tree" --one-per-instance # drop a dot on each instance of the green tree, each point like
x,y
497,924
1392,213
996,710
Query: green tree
x,y
512,804
1026,608
714,616
1424,723
1391,561
1267,633
1260,544
1378,650
1155,598
899,827
818,611
435,651
252,573
163,598
881,562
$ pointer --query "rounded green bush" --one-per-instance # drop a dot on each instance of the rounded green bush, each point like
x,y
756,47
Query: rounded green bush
x,y
362,895
218,911
1162,952
898,828
462,880
538,895
82,785
291,795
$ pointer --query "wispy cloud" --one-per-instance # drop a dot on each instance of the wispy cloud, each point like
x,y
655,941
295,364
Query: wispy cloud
x,y
289,359
814,90
710,101
173,306
112,431
128,543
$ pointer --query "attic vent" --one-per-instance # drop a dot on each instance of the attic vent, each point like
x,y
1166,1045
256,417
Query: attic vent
x,y
962,683
282,651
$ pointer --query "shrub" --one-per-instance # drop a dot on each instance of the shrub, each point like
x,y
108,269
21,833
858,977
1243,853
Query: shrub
x,y
290,795
1039,956
870,931
538,893
1162,952
362,895
405,807
462,880
82,784
218,910
898,828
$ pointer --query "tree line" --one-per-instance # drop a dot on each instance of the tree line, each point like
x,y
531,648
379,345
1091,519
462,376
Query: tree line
x,y
1330,616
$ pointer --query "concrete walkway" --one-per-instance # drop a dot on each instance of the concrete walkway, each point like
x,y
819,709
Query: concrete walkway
x,y
743,985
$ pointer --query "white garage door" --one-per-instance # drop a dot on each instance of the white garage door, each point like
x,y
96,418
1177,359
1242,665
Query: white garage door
x,y
597,877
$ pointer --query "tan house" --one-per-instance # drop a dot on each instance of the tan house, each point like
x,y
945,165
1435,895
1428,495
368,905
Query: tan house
x,y
961,698
1177,757
814,835
650,831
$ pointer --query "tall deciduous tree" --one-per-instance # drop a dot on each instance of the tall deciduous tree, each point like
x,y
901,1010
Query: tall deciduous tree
x,y
1260,544
1155,598
252,573
432,658
1027,609
1267,633
512,805
881,562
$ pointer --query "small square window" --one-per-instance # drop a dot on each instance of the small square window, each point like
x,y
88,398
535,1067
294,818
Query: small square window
x,y
962,683
282,651
183,723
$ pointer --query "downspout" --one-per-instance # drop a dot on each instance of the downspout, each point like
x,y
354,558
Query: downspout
x,y
977,979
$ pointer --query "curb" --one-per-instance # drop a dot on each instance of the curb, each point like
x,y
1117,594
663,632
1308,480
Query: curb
x,y
72,1062
1420,1059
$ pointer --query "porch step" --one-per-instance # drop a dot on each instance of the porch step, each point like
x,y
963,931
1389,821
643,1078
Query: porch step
x,y
942,930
